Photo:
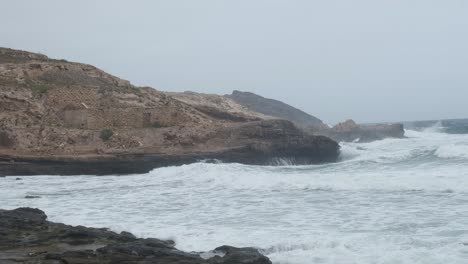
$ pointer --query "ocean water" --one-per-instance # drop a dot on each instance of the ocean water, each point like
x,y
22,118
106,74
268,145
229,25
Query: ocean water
x,y
390,201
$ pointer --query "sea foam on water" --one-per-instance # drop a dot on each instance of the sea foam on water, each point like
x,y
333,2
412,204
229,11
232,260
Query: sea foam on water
x,y
389,201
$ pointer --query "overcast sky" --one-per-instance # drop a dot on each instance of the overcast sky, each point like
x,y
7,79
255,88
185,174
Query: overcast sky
x,y
370,60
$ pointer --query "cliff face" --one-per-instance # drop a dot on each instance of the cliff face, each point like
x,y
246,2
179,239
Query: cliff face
x,y
68,113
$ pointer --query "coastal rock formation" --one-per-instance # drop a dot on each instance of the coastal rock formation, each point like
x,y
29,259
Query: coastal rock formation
x,y
349,131
27,237
57,116
346,131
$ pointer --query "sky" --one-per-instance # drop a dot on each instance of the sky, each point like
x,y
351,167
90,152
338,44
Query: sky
x,y
369,60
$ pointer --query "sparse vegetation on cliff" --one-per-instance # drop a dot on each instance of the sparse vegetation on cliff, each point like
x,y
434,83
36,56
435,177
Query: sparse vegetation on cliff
x,y
39,89
106,134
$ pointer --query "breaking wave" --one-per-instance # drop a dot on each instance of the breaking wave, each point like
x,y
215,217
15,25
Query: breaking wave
x,y
456,151
389,201
418,145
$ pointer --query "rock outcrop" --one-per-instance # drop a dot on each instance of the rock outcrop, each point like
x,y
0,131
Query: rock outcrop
x,y
346,126
27,237
349,131
57,116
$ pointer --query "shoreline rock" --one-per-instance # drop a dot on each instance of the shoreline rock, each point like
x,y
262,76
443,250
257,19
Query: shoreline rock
x,y
315,152
59,117
27,237
259,143
350,131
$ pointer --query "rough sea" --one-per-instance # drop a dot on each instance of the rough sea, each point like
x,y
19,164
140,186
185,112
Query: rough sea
x,y
390,201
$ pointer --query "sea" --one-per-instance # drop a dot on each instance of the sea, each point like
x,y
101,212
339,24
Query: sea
x,y
390,201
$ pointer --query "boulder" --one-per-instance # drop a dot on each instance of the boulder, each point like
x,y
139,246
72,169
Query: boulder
x,y
232,255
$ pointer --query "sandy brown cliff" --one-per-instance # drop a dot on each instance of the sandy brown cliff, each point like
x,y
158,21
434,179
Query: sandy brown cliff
x,y
56,116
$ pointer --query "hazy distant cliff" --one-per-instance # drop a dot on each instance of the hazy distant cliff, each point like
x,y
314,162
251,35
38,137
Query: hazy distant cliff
x,y
57,115
274,108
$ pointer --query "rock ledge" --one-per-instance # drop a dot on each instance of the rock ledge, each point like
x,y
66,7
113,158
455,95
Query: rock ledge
x,y
27,237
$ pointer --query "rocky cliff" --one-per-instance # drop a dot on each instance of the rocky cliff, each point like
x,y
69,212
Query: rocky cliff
x,y
60,117
27,237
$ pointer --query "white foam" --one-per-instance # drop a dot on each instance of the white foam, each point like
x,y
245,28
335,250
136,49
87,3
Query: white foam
x,y
457,151
348,152
436,128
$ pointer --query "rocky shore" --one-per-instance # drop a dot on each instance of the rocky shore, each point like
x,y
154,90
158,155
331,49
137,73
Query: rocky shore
x,y
27,237
257,144
66,118
318,150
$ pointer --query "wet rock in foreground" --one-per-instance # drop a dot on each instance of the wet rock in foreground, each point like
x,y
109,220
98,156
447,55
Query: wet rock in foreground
x,y
27,237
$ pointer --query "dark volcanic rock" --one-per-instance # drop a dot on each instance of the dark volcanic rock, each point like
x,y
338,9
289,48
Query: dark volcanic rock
x,y
232,255
27,237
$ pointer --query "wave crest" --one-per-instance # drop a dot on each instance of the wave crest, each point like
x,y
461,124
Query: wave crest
x,y
452,151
